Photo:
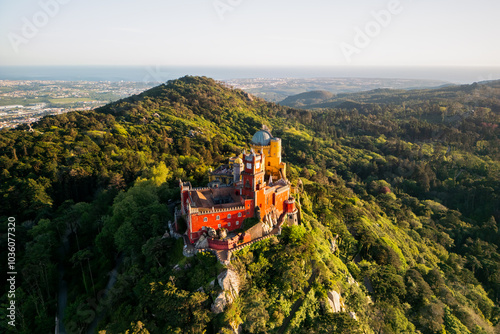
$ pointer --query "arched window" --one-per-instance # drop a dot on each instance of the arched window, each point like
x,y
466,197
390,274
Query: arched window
x,y
239,214
205,219
229,224
217,217
237,223
229,216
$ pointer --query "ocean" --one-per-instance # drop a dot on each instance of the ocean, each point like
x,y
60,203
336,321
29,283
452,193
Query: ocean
x,y
156,74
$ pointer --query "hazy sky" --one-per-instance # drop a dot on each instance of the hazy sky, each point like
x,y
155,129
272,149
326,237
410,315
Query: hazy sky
x,y
250,32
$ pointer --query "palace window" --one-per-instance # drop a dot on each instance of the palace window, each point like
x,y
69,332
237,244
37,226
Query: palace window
x,y
229,216
239,214
219,225
229,224
217,217
205,219
237,223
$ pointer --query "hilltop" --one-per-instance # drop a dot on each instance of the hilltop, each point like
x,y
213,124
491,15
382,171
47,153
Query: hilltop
x,y
277,89
399,209
307,98
485,93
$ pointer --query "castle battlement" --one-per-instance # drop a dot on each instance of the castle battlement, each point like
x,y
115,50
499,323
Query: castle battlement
x,y
234,208
201,189
256,187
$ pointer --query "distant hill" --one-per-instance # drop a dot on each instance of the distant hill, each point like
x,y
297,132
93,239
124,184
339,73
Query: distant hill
x,y
277,89
485,91
307,98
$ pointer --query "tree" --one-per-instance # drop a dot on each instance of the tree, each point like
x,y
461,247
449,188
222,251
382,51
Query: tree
x,y
255,313
334,323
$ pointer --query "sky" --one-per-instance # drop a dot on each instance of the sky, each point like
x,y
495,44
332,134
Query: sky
x,y
250,32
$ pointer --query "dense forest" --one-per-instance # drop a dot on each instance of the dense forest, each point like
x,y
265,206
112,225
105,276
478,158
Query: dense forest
x,y
399,194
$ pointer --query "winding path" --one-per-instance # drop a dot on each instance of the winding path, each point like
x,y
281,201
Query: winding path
x,y
296,306
62,293
113,275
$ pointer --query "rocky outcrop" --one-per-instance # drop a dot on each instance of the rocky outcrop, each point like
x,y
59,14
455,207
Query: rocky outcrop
x,y
220,303
212,232
222,233
172,230
230,284
202,243
334,300
234,327
333,244
266,227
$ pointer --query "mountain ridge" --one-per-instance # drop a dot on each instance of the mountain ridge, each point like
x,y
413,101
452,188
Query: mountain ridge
x,y
385,95
404,197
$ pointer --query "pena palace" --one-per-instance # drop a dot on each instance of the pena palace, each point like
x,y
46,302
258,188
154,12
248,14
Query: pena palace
x,y
253,185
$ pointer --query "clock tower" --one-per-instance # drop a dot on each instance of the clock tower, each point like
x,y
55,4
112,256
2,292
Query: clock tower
x,y
253,174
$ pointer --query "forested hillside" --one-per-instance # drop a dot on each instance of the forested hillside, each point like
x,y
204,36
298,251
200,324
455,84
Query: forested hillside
x,y
409,184
483,94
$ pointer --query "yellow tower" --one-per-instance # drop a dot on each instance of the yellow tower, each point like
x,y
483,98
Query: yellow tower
x,y
264,141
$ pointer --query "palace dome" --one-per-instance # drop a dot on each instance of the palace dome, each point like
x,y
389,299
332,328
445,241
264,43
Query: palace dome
x,y
262,138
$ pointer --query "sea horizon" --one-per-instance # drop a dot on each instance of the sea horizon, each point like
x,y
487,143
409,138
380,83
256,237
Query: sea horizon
x,y
455,75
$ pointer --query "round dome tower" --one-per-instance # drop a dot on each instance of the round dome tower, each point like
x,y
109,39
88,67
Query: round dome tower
x,y
262,138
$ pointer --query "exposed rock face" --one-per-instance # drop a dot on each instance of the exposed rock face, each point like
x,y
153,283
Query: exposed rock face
x,y
223,233
212,232
335,302
237,328
233,327
333,244
172,230
220,303
266,228
230,284
201,243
